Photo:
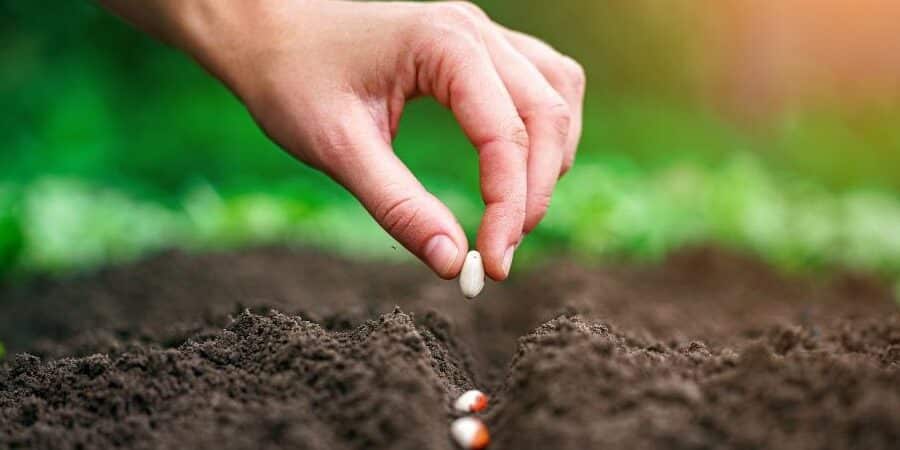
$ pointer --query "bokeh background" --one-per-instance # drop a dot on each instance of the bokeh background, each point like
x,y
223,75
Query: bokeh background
x,y
768,127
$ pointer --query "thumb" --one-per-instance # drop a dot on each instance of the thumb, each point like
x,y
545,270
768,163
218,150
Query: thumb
x,y
366,165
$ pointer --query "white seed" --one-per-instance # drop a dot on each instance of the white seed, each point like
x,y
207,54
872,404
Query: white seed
x,y
471,278
471,401
470,433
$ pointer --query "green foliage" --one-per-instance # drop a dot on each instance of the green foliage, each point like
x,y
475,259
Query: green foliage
x,y
793,223
608,207
11,236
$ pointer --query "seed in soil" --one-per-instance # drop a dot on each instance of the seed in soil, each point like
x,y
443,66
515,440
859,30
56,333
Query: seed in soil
x,y
470,433
471,401
471,279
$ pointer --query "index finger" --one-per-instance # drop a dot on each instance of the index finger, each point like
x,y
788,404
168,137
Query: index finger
x,y
462,76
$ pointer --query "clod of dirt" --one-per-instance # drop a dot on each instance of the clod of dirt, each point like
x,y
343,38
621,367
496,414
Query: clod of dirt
x,y
268,381
578,384
709,350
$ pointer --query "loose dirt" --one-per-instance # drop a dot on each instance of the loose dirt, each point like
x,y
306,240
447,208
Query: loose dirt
x,y
273,348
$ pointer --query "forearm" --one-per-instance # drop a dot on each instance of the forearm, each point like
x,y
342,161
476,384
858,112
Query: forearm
x,y
213,32
166,20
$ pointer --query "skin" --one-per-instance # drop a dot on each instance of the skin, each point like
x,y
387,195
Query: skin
x,y
327,81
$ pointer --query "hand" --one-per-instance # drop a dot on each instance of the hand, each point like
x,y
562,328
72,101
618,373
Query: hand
x,y
328,80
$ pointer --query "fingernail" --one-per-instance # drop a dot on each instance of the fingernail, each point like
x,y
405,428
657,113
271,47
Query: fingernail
x,y
508,258
441,253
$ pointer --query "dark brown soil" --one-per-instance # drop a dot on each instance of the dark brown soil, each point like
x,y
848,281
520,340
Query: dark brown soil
x,y
279,349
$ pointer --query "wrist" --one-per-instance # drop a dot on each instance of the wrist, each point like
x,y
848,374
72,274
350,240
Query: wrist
x,y
229,38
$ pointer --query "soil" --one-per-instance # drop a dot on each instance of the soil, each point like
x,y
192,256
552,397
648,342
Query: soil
x,y
273,348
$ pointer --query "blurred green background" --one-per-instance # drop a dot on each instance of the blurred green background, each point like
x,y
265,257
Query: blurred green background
x,y
729,122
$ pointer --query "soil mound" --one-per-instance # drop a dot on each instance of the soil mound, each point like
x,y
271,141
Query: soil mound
x,y
273,348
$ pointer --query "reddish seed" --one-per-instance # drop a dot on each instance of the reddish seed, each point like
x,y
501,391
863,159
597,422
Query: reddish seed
x,y
470,433
471,401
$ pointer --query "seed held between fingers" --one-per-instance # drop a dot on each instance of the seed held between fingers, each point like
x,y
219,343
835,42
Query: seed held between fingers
x,y
471,278
470,433
471,401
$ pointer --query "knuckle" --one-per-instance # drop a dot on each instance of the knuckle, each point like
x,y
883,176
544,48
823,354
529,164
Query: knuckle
x,y
554,114
445,29
560,117
518,136
398,214
574,72
453,20
331,150
514,134
469,8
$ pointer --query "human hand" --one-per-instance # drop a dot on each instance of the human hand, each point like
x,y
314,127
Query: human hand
x,y
328,80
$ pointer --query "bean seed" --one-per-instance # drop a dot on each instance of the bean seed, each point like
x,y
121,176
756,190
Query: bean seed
x,y
471,401
471,278
470,433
